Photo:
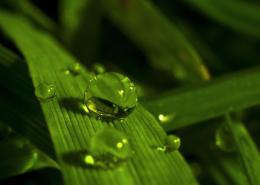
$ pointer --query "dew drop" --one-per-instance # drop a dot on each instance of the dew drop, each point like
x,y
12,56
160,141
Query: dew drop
x,y
166,118
110,141
108,149
223,139
98,68
171,143
73,69
110,95
45,91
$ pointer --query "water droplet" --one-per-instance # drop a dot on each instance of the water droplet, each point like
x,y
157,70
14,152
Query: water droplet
x,y
110,96
166,118
73,69
98,68
108,148
45,91
172,143
223,139
110,141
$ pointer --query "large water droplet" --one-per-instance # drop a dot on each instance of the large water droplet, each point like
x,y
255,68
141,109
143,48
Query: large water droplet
x,y
223,139
110,95
171,143
166,118
45,91
73,69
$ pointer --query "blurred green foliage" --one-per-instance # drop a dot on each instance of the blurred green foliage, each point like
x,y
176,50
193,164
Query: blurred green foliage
x,y
195,67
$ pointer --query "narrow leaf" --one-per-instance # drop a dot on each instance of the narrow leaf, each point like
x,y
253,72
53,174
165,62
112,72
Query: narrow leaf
x,y
165,46
239,15
20,156
247,150
208,100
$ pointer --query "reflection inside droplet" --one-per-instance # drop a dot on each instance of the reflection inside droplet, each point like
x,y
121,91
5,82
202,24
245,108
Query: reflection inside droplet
x,y
110,96
166,118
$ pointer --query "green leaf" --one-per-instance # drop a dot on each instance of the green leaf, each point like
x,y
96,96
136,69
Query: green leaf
x,y
247,150
27,118
27,9
239,15
81,27
27,122
71,130
208,100
20,156
226,171
205,51
165,46
70,13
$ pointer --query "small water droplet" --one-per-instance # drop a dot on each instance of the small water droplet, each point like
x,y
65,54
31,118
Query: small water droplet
x,y
98,68
223,139
73,69
45,91
110,96
166,118
172,143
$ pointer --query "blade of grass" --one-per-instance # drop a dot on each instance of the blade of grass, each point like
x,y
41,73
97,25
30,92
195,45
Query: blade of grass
x,y
226,171
209,57
207,100
239,15
223,168
71,131
26,8
27,122
28,113
69,15
20,156
80,21
247,150
163,43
